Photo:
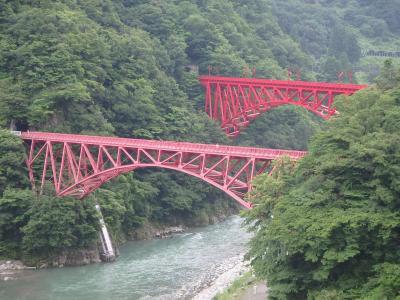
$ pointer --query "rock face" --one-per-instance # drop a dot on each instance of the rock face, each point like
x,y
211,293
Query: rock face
x,y
149,231
76,257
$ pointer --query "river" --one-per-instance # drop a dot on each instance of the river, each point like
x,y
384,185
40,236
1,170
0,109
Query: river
x,y
173,268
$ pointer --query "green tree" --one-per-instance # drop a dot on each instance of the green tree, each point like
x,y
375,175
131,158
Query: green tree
x,y
285,127
14,205
122,68
332,229
389,77
59,224
13,104
13,173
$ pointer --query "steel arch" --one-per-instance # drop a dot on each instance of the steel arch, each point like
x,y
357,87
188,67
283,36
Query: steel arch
x,y
76,165
234,102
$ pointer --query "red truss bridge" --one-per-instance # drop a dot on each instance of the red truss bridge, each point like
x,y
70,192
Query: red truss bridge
x,y
76,165
234,102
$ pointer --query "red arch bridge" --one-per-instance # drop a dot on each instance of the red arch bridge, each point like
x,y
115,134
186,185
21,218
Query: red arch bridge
x,y
234,102
76,165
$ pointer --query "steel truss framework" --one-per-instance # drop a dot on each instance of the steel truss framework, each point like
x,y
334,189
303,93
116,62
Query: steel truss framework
x,y
234,102
76,165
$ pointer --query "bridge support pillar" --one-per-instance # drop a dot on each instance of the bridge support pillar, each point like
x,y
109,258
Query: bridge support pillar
x,y
108,253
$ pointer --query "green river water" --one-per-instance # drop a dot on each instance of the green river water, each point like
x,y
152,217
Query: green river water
x,y
174,268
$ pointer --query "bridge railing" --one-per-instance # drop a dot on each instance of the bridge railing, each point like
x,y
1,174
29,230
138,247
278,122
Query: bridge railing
x,y
160,145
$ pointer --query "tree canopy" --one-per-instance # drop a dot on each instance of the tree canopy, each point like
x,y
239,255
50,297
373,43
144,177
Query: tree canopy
x,y
128,68
329,228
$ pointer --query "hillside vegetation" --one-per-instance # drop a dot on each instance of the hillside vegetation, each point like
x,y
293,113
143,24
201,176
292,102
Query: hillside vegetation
x,y
335,33
122,68
128,68
330,227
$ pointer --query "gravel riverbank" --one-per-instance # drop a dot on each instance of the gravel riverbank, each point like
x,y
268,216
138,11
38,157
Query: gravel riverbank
x,y
230,271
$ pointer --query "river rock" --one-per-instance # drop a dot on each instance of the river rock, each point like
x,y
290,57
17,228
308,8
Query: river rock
x,y
44,266
11,265
168,231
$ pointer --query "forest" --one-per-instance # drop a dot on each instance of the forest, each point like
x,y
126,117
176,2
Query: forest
x,y
123,68
128,68
329,227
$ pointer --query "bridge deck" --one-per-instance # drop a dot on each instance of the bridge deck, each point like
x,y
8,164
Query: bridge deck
x,y
250,152
235,102
291,84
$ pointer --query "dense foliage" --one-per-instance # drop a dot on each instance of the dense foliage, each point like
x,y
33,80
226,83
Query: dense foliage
x,y
37,228
55,225
335,32
330,228
129,68
285,127
125,68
